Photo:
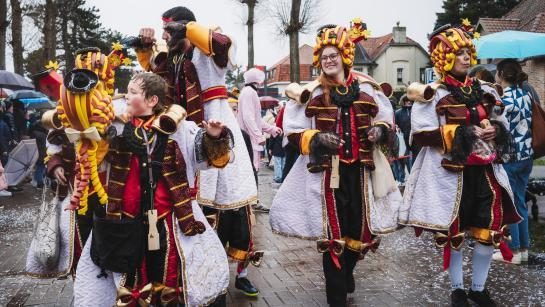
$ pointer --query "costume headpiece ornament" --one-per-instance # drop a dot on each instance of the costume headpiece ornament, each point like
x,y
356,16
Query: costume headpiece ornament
x,y
447,40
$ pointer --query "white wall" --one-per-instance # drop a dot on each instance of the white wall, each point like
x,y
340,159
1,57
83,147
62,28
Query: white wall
x,y
281,86
410,58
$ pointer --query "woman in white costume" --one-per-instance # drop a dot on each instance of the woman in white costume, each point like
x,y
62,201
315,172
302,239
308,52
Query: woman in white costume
x,y
341,190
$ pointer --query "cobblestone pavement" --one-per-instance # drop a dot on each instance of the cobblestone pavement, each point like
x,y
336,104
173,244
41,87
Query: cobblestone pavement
x,y
405,271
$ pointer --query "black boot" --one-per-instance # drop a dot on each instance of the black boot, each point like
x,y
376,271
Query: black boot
x,y
481,298
350,283
458,298
244,285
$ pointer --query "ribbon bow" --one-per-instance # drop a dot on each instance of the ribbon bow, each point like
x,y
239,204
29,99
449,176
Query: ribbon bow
x,y
90,133
456,241
499,236
170,295
336,246
373,245
255,258
128,297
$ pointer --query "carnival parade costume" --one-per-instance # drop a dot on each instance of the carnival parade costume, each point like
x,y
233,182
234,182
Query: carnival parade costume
x,y
196,81
145,187
457,186
96,107
348,197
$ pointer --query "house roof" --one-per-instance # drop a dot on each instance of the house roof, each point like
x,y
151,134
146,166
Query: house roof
x,y
305,56
362,57
526,9
375,46
493,25
527,15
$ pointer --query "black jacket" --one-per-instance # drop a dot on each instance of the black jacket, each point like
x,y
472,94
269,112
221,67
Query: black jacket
x,y
9,119
38,132
403,120
276,146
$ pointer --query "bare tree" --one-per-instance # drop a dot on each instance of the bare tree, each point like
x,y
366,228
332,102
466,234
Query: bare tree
x,y
293,17
17,35
251,4
49,30
4,23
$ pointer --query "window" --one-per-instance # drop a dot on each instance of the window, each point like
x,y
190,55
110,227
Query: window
x,y
400,76
314,71
270,73
422,75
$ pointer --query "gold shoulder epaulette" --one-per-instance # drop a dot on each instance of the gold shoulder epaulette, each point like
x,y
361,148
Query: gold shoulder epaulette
x,y
301,94
422,92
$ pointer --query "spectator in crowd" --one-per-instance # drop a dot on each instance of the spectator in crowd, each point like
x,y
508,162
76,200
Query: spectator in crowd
x,y
290,151
518,110
269,118
38,132
485,75
9,119
249,113
403,121
20,116
3,183
401,159
233,102
276,150
6,140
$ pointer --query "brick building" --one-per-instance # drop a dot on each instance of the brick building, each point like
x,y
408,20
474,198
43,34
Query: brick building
x,y
529,16
278,75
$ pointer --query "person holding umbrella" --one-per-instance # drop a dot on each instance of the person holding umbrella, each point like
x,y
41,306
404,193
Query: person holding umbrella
x,y
9,119
518,109
6,140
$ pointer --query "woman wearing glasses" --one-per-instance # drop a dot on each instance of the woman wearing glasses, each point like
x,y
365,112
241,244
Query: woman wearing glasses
x,y
331,193
456,187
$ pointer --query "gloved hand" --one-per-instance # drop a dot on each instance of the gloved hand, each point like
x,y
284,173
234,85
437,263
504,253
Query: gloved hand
x,y
325,144
190,226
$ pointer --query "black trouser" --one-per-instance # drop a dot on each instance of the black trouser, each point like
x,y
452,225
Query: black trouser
x,y
348,198
233,227
292,154
85,222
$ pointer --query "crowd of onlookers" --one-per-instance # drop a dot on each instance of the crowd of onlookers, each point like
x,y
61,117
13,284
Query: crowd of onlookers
x,y
18,123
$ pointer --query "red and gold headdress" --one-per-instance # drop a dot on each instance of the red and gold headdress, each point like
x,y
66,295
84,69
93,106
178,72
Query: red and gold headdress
x,y
342,38
86,112
447,40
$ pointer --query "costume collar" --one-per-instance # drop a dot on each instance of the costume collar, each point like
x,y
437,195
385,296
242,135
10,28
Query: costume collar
x,y
451,80
143,121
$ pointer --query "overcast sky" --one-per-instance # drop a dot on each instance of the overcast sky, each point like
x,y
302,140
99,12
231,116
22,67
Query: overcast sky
x,y
380,15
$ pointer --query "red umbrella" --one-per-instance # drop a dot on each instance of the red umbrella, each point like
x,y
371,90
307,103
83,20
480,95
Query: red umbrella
x,y
268,102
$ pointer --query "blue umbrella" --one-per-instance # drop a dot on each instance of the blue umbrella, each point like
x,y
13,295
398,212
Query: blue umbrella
x,y
510,44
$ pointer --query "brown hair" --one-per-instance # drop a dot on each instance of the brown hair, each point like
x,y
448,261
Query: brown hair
x,y
327,83
485,75
152,85
511,71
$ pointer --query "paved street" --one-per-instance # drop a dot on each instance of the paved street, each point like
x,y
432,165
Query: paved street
x,y
406,271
